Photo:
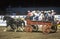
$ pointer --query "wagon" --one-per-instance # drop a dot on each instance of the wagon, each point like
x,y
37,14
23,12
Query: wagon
x,y
44,26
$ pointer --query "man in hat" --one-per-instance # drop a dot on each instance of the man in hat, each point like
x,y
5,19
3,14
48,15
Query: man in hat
x,y
49,16
30,15
36,14
41,16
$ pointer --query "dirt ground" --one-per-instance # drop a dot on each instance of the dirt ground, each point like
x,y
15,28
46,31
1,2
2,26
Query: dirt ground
x,y
27,35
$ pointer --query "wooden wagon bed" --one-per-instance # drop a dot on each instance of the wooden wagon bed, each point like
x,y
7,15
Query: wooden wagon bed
x,y
45,28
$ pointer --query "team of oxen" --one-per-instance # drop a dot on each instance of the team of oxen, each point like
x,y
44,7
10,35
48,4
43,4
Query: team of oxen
x,y
15,24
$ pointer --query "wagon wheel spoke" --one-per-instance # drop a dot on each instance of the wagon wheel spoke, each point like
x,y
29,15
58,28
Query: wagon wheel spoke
x,y
28,28
46,29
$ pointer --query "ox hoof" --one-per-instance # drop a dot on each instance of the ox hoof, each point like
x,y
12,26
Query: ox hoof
x,y
15,30
4,30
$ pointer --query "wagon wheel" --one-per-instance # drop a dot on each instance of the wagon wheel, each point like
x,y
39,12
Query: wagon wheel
x,y
46,29
35,27
54,29
29,28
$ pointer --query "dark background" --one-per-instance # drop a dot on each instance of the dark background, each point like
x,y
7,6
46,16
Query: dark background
x,y
51,4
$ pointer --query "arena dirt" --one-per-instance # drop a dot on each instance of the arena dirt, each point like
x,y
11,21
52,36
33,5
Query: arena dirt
x,y
27,35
